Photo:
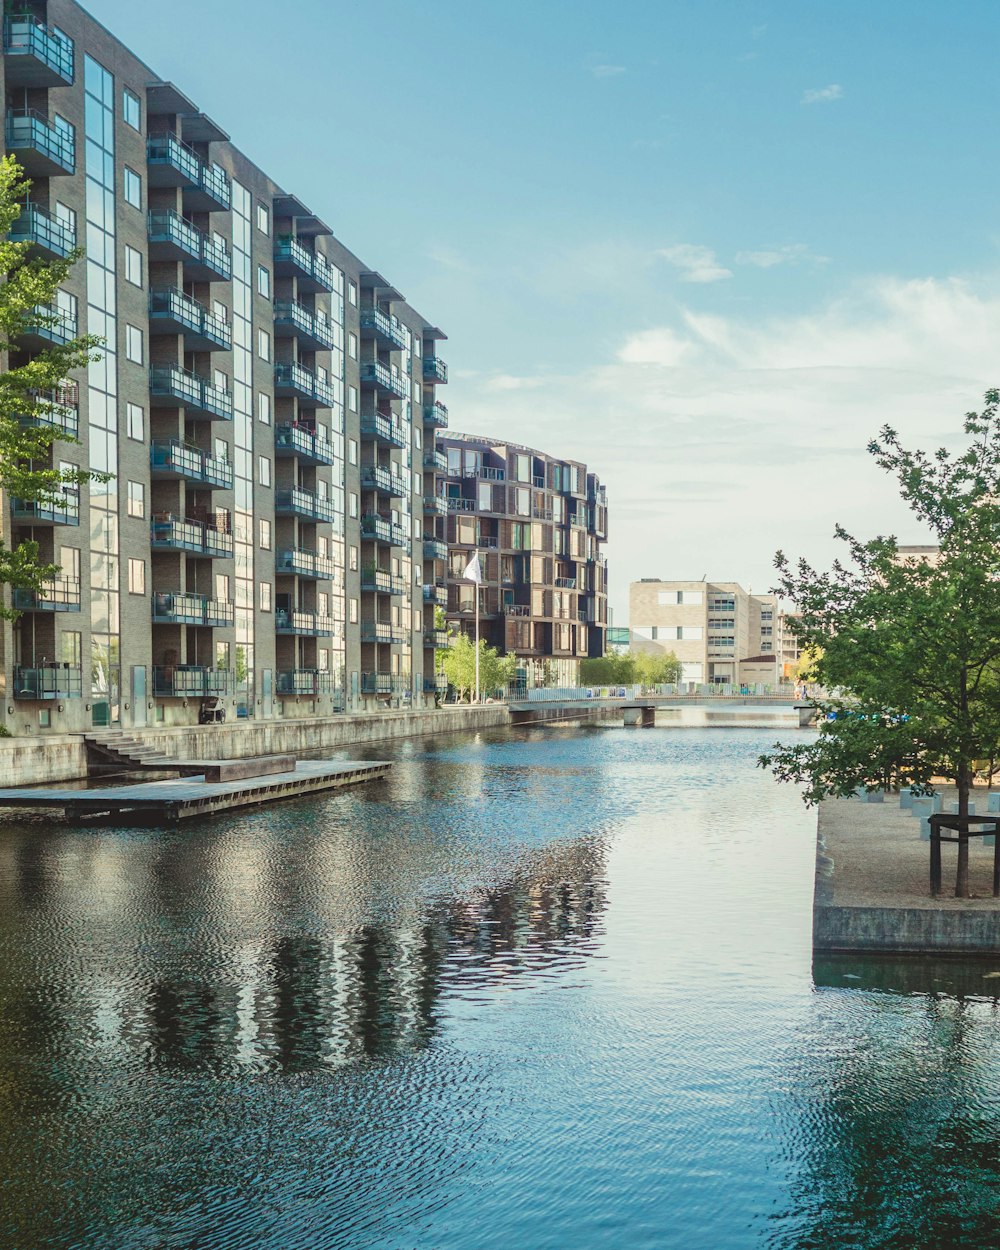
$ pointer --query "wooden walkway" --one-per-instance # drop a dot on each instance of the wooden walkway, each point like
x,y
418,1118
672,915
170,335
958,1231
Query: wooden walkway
x,y
165,802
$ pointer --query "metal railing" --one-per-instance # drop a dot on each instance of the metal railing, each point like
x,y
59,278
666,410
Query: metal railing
x,y
50,681
29,129
24,35
58,594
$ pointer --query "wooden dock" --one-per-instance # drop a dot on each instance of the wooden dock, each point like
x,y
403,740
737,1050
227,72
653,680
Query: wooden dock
x,y
166,802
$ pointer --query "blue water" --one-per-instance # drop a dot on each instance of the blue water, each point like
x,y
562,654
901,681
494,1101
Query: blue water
x,y
538,989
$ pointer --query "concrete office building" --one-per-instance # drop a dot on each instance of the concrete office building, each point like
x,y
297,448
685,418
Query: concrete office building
x,y
265,401
720,632
539,524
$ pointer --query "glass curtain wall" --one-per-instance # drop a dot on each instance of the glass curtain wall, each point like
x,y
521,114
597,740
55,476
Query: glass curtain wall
x,y
243,522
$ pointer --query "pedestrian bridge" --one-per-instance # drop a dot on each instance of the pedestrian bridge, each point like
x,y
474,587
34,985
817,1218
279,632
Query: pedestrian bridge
x,y
640,709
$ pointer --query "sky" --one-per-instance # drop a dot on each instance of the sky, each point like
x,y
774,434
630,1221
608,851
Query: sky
x,y
709,248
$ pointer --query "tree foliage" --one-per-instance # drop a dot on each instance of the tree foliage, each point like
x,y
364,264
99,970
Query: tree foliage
x,y
28,387
909,648
634,668
458,664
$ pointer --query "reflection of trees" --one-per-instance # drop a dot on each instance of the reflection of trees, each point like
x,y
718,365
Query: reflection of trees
x,y
897,1140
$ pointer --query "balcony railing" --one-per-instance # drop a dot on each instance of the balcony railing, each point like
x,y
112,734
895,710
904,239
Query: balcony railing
x,y
48,511
379,478
304,503
435,370
176,459
43,230
299,440
184,609
436,415
48,324
382,582
40,147
305,563
438,684
383,328
173,384
380,377
59,409
460,505
436,460
385,683
180,314
291,378
310,624
312,270
190,681
173,163
305,681
383,429
170,534
38,55
516,609
173,237
381,632
312,328
58,594
435,549
381,530
435,505
52,681
437,638
437,595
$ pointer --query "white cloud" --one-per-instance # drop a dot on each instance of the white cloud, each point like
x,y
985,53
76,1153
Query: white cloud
x,y
722,438
789,254
696,263
823,95
607,71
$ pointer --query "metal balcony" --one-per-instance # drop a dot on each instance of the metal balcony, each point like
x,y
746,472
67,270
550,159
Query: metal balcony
x,y
37,55
437,595
435,460
436,415
435,370
382,633
299,440
435,505
305,504
304,563
377,427
385,683
435,549
382,582
313,331
384,329
383,481
59,409
53,681
438,684
58,594
305,681
172,237
48,512
45,232
379,377
170,385
190,681
172,163
170,534
172,458
454,504
293,379
182,609
174,312
312,271
306,624
42,150
380,530
51,325
437,638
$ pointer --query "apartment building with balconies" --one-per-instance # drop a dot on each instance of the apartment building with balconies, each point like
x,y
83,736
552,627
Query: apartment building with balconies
x,y
261,403
721,633
539,524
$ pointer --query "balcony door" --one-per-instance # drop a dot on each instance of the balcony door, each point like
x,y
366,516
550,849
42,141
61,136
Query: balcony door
x,y
138,695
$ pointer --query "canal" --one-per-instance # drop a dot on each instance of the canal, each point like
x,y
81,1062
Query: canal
x,y
540,989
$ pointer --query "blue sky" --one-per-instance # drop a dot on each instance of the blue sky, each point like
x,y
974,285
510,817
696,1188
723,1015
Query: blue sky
x,y
707,247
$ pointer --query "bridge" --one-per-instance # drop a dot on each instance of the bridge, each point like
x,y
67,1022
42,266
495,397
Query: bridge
x,y
640,709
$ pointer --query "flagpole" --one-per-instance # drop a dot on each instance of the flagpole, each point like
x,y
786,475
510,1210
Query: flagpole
x,y
477,628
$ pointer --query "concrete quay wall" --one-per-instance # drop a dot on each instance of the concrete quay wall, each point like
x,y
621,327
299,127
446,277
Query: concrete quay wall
x,y
904,931
34,761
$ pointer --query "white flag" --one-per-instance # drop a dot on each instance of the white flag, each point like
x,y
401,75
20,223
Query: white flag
x,y
473,571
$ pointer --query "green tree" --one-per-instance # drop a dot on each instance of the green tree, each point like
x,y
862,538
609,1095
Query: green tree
x,y
608,670
496,671
909,648
29,387
657,670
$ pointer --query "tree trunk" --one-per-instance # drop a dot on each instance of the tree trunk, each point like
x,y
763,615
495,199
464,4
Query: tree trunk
x,y
964,779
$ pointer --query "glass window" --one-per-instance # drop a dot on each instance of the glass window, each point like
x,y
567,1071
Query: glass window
x,y
265,535
263,470
133,188
263,345
135,422
353,503
136,577
132,109
264,407
264,281
136,499
352,557
352,345
133,344
263,219
352,611
265,596
352,293
352,399
352,451
133,266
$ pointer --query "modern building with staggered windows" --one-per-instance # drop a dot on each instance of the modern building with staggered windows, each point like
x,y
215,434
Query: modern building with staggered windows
x,y
539,524
266,402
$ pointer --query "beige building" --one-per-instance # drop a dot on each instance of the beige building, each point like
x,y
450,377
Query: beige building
x,y
720,632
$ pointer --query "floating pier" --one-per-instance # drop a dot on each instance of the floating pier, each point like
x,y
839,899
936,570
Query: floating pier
x,y
166,802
